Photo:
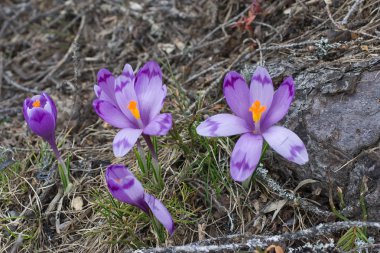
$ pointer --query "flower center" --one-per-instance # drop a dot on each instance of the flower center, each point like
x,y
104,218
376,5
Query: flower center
x,y
132,106
36,103
257,110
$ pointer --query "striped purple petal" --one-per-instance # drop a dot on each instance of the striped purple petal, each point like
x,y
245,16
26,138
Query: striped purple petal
x,y
106,81
245,156
287,144
281,102
111,114
160,212
125,187
236,93
124,140
223,125
261,89
150,91
160,125
125,93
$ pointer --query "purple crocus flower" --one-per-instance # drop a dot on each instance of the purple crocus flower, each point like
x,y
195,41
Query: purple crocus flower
x,y
125,187
132,104
256,111
40,114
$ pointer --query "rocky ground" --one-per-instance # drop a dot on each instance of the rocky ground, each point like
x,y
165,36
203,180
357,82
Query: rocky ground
x,y
331,48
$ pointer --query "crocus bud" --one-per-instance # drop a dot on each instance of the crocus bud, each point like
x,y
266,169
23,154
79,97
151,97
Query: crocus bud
x,y
125,187
41,114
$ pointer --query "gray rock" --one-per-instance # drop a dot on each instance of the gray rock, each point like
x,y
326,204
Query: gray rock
x,y
337,114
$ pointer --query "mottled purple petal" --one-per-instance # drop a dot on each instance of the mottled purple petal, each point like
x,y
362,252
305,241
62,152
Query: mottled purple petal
x,y
41,122
223,125
128,72
98,90
160,212
25,109
245,156
160,125
50,105
124,141
261,89
150,91
125,187
125,93
106,82
236,93
287,144
111,114
281,102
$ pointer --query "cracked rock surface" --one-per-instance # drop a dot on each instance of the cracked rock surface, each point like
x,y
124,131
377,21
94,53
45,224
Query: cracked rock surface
x,y
336,112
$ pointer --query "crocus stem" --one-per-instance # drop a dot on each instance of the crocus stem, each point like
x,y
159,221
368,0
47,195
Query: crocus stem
x,y
65,178
156,166
141,156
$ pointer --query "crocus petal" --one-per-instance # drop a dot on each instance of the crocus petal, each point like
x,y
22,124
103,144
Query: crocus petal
x,y
281,102
123,186
236,93
111,114
106,82
98,90
287,144
223,125
124,141
150,91
25,109
124,94
50,105
160,212
245,156
261,89
128,72
160,125
41,122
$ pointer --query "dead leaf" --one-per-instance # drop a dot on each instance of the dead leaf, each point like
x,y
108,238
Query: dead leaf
x,y
275,206
274,249
364,48
305,182
201,231
77,203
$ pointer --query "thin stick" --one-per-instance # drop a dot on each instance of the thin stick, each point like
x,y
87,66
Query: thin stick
x,y
352,9
240,241
10,81
1,71
263,174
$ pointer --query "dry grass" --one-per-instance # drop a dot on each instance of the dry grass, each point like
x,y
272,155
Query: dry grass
x,y
58,47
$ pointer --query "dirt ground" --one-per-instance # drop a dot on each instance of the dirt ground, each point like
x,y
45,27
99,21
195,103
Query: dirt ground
x,y
58,47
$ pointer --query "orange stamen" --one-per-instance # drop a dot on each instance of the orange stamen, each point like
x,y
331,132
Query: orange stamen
x,y
36,103
257,110
132,106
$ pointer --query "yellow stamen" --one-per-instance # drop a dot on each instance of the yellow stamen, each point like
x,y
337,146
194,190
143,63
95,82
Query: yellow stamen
x,y
132,106
118,180
257,110
36,103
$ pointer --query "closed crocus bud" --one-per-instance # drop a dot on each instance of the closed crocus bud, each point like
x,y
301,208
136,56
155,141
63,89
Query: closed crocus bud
x,y
41,114
125,187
